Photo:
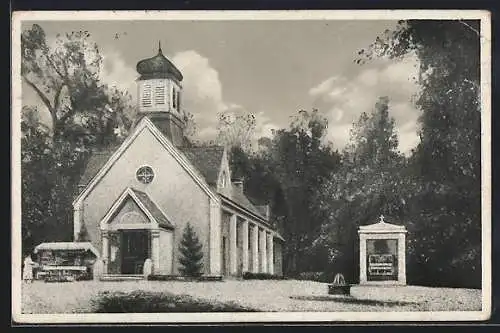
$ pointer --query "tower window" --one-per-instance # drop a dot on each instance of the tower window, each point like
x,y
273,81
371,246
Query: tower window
x,y
146,95
174,99
178,100
160,93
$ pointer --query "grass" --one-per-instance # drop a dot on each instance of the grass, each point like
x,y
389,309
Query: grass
x,y
158,302
238,295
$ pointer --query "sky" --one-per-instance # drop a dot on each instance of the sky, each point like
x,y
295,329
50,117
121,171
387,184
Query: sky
x,y
268,68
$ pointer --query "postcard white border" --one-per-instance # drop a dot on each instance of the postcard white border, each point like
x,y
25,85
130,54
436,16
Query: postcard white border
x,y
484,16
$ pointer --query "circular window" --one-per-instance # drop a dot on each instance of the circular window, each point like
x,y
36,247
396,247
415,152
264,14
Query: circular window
x,y
145,174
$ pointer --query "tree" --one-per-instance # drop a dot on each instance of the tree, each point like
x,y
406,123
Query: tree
x,y
66,77
191,253
236,130
84,114
446,219
369,183
299,158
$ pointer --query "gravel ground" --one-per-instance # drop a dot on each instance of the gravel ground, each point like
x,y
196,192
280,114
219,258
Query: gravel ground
x,y
289,295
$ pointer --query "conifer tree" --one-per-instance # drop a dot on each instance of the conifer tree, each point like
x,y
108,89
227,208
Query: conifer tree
x,y
191,253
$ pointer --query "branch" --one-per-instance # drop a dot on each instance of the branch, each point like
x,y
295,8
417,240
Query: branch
x,y
67,115
57,97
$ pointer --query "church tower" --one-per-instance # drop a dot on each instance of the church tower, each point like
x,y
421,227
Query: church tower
x,y
159,96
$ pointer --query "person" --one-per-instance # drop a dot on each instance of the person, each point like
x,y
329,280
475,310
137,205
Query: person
x,y
28,269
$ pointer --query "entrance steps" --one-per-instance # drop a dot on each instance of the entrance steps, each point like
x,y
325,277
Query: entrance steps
x,y
122,277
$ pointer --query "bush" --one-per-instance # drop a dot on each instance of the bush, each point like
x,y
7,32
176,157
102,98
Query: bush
x,y
261,276
315,276
154,302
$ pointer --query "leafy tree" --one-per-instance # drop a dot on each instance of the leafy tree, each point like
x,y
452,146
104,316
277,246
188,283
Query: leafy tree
x,y
66,77
369,183
84,114
236,130
191,253
45,186
446,220
299,158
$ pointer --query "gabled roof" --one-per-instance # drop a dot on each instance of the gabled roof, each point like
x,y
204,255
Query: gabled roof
x,y
96,161
66,246
144,202
235,195
158,215
96,175
382,227
206,160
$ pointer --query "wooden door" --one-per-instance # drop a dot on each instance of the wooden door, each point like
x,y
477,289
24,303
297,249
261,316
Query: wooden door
x,y
135,250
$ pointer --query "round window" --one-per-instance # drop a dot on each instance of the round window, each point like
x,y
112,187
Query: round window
x,y
145,174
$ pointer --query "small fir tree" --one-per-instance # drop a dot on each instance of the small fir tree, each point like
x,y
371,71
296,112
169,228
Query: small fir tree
x,y
191,253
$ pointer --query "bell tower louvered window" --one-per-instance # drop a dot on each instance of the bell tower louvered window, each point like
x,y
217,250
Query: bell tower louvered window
x,y
160,93
174,99
146,99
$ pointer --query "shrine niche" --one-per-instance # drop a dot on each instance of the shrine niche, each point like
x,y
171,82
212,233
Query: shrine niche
x,y
382,253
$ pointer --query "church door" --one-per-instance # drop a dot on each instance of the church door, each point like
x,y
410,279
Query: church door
x,y
135,250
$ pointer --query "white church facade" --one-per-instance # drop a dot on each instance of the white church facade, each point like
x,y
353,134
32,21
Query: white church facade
x,y
136,200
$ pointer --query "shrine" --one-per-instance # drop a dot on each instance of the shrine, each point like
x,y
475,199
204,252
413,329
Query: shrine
x,y
382,253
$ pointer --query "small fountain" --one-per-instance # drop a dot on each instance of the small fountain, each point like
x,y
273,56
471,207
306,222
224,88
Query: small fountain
x,y
339,286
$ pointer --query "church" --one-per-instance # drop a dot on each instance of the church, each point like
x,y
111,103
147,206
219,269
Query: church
x,y
135,201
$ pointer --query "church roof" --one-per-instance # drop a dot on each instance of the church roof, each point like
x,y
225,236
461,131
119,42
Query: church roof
x,y
160,218
206,160
237,196
158,67
96,161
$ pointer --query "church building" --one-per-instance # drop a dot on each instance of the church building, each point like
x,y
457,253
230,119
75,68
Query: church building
x,y
135,201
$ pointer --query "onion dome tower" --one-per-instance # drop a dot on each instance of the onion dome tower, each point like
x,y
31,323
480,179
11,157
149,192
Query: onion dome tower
x,y
159,96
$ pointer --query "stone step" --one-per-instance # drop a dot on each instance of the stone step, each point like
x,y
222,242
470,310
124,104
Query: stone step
x,y
122,277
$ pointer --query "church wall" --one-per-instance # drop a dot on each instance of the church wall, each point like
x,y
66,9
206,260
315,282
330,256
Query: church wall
x,y
166,252
278,257
172,189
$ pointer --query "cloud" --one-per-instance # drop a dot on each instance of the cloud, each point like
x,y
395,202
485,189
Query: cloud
x,y
264,127
346,98
202,92
203,96
115,72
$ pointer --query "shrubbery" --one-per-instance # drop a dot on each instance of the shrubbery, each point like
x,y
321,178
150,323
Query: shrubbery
x,y
153,302
315,276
